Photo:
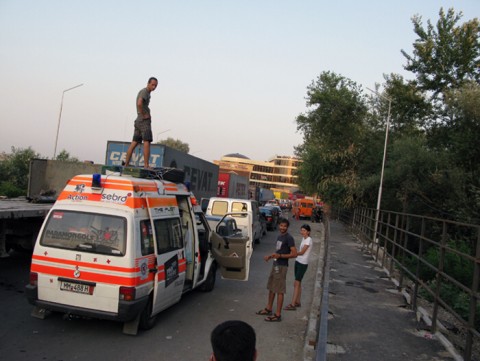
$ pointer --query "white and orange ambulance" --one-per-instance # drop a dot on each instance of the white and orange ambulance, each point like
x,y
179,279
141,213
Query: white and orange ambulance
x,y
125,247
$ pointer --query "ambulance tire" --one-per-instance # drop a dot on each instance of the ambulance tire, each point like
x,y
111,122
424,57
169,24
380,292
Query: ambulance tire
x,y
147,321
209,283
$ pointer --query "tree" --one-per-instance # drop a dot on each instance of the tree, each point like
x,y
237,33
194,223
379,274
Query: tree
x,y
333,128
410,109
14,171
65,157
176,144
463,108
432,153
447,56
336,111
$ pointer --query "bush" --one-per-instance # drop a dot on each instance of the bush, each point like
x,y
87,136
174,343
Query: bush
x,y
458,300
9,190
454,265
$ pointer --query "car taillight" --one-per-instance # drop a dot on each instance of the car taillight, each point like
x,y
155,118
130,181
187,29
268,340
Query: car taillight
x,y
33,278
127,293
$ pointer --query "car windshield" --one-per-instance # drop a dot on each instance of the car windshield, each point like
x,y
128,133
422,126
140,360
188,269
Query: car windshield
x,y
266,211
86,232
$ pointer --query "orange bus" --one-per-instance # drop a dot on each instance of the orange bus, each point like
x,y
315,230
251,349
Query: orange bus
x,y
302,208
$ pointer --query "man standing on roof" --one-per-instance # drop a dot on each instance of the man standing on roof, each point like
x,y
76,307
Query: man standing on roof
x,y
143,123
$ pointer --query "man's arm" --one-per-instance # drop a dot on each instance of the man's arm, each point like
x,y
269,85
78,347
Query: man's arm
x,y
293,253
140,108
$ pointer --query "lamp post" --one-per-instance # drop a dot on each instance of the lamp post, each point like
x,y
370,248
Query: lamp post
x,y
60,117
162,133
380,187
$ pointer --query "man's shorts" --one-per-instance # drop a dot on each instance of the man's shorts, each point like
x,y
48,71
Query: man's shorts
x,y
300,270
143,130
277,281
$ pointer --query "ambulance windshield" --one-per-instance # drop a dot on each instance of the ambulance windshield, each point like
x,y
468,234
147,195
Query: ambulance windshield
x,y
85,232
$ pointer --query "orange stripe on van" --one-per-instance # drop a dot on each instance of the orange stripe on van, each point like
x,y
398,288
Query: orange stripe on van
x,y
85,275
85,264
164,201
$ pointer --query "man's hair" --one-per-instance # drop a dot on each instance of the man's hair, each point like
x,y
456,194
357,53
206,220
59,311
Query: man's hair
x,y
284,220
152,78
233,341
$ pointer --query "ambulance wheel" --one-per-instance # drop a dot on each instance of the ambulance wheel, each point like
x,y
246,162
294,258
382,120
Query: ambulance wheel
x,y
209,283
147,321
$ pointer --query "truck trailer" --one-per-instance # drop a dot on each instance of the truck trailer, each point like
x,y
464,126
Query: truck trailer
x,y
232,185
201,176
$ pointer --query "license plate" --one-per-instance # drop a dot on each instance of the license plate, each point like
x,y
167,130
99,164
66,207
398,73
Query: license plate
x,y
76,287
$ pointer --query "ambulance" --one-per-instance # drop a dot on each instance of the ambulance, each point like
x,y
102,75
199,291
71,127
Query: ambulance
x,y
125,245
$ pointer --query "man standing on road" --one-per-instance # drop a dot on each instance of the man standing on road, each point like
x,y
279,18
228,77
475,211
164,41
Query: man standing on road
x,y
277,281
143,124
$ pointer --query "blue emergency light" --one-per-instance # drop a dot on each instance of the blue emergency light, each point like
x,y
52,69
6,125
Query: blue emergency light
x,y
96,180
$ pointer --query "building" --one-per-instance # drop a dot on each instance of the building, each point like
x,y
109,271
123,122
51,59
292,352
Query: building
x,y
277,174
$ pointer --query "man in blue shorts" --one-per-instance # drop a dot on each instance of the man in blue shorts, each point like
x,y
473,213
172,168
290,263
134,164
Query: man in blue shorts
x,y
143,124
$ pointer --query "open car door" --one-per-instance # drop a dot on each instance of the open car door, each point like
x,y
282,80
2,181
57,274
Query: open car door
x,y
232,253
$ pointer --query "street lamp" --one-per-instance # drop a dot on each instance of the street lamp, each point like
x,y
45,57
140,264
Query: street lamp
x,y
387,128
60,117
162,133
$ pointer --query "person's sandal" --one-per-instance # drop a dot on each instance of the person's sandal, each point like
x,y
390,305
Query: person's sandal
x,y
290,307
297,305
273,318
264,312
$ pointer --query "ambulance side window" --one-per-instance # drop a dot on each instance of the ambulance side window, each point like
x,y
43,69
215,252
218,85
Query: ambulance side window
x,y
169,235
146,238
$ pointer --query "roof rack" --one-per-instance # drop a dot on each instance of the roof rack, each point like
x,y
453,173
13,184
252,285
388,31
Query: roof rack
x,y
162,173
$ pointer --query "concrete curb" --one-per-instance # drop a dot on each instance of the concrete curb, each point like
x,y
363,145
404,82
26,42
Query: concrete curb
x,y
309,349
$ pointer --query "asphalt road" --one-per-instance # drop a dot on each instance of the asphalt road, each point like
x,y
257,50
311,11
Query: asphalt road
x,y
182,332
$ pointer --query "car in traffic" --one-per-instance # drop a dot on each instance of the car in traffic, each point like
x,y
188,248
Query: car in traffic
x,y
285,204
280,213
271,217
272,202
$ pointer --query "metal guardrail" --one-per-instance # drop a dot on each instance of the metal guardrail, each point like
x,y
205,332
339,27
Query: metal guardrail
x,y
421,251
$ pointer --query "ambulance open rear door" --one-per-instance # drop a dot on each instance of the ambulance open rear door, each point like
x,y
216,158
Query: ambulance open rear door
x,y
168,243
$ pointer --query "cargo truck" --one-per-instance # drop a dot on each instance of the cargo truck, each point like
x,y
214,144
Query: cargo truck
x,y
232,185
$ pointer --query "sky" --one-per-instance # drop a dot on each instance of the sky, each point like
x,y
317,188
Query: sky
x,y
233,75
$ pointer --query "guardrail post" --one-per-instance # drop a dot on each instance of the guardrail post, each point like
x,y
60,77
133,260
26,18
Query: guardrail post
x,y
395,236
438,276
373,229
402,259
473,300
3,239
417,271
